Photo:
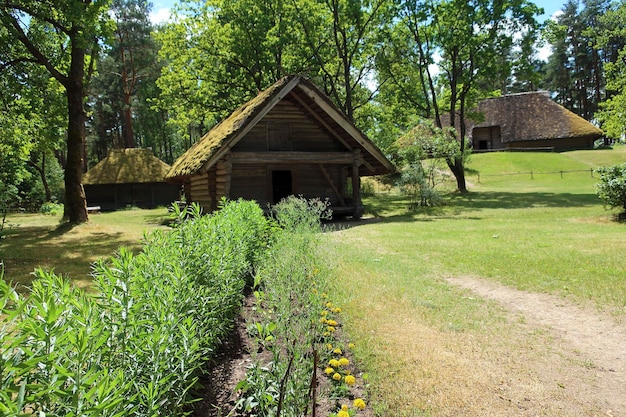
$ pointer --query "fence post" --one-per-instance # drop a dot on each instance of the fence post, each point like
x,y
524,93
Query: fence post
x,y
561,174
531,175
479,177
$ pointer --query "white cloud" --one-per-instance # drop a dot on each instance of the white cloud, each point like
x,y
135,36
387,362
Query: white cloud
x,y
546,50
160,16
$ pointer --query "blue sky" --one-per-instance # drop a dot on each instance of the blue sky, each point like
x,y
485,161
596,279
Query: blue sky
x,y
161,12
161,8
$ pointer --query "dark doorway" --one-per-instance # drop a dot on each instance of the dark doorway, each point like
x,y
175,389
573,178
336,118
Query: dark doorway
x,y
281,185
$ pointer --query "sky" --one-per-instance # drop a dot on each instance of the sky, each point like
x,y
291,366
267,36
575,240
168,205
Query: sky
x,y
161,13
161,8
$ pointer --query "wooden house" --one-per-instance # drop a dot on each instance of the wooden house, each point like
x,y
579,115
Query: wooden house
x,y
289,140
129,177
530,121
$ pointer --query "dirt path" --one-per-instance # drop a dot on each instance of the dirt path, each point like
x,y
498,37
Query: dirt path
x,y
588,349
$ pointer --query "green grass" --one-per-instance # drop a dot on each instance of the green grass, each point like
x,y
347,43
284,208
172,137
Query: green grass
x,y
35,240
547,234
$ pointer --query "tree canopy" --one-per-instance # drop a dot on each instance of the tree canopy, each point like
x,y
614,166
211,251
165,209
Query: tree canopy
x,y
61,36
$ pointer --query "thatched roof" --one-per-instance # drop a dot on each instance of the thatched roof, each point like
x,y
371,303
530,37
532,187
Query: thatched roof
x,y
127,166
219,140
533,116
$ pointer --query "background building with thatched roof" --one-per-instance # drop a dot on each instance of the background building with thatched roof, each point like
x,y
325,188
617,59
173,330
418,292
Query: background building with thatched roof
x,y
530,121
129,177
289,140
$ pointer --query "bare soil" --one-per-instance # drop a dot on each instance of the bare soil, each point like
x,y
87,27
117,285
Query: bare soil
x,y
586,352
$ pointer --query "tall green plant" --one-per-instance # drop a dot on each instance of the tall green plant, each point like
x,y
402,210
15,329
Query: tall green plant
x,y
138,346
290,283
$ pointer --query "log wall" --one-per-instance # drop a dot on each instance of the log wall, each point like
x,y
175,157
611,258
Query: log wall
x,y
306,134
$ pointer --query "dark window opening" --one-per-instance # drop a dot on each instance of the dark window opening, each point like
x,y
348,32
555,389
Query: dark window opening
x,y
281,185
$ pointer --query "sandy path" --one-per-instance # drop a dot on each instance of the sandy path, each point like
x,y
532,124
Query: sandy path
x,y
593,345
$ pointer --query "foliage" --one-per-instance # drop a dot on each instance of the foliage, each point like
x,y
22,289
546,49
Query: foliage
x,y
51,209
612,39
292,320
62,37
138,344
422,153
612,186
465,41
575,69
220,54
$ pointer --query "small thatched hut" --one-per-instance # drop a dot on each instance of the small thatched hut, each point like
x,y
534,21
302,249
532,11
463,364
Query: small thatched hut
x,y
530,121
289,140
129,177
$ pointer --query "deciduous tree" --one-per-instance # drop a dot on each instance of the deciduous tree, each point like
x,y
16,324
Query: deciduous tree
x,y
62,37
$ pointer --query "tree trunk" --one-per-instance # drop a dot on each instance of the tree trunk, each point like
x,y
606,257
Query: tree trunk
x,y
42,174
75,202
457,168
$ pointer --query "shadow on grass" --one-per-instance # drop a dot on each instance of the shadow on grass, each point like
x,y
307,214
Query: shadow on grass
x,y
507,200
388,208
28,247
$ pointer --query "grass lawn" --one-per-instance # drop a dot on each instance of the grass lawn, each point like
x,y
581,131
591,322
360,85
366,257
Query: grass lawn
x,y
546,234
36,240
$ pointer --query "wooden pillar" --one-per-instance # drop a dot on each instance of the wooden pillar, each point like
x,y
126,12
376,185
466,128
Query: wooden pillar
x,y
223,172
356,185
212,189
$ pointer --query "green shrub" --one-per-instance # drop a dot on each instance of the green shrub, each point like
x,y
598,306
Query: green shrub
x,y
52,209
138,345
612,186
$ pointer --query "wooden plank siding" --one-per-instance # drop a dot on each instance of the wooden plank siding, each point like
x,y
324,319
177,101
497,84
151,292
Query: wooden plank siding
x,y
289,140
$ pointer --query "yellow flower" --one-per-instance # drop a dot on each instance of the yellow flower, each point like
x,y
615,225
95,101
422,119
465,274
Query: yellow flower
x,y
337,376
343,413
344,407
314,291
330,329
343,362
334,363
329,304
359,403
350,380
324,313
337,310
351,345
324,295
329,370
337,351
332,323
323,320
329,346
326,334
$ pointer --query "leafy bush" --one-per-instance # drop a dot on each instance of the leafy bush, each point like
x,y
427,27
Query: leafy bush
x,y
419,185
612,186
52,209
138,345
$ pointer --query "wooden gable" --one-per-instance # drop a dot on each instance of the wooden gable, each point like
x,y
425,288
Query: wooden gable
x,y
288,140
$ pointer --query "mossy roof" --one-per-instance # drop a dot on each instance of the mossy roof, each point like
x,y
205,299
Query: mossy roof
x,y
127,166
205,152
533,116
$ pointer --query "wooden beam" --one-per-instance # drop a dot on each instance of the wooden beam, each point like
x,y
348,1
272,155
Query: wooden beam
x,y
343,121
332,185
266,108
317,117
328,158
356,185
